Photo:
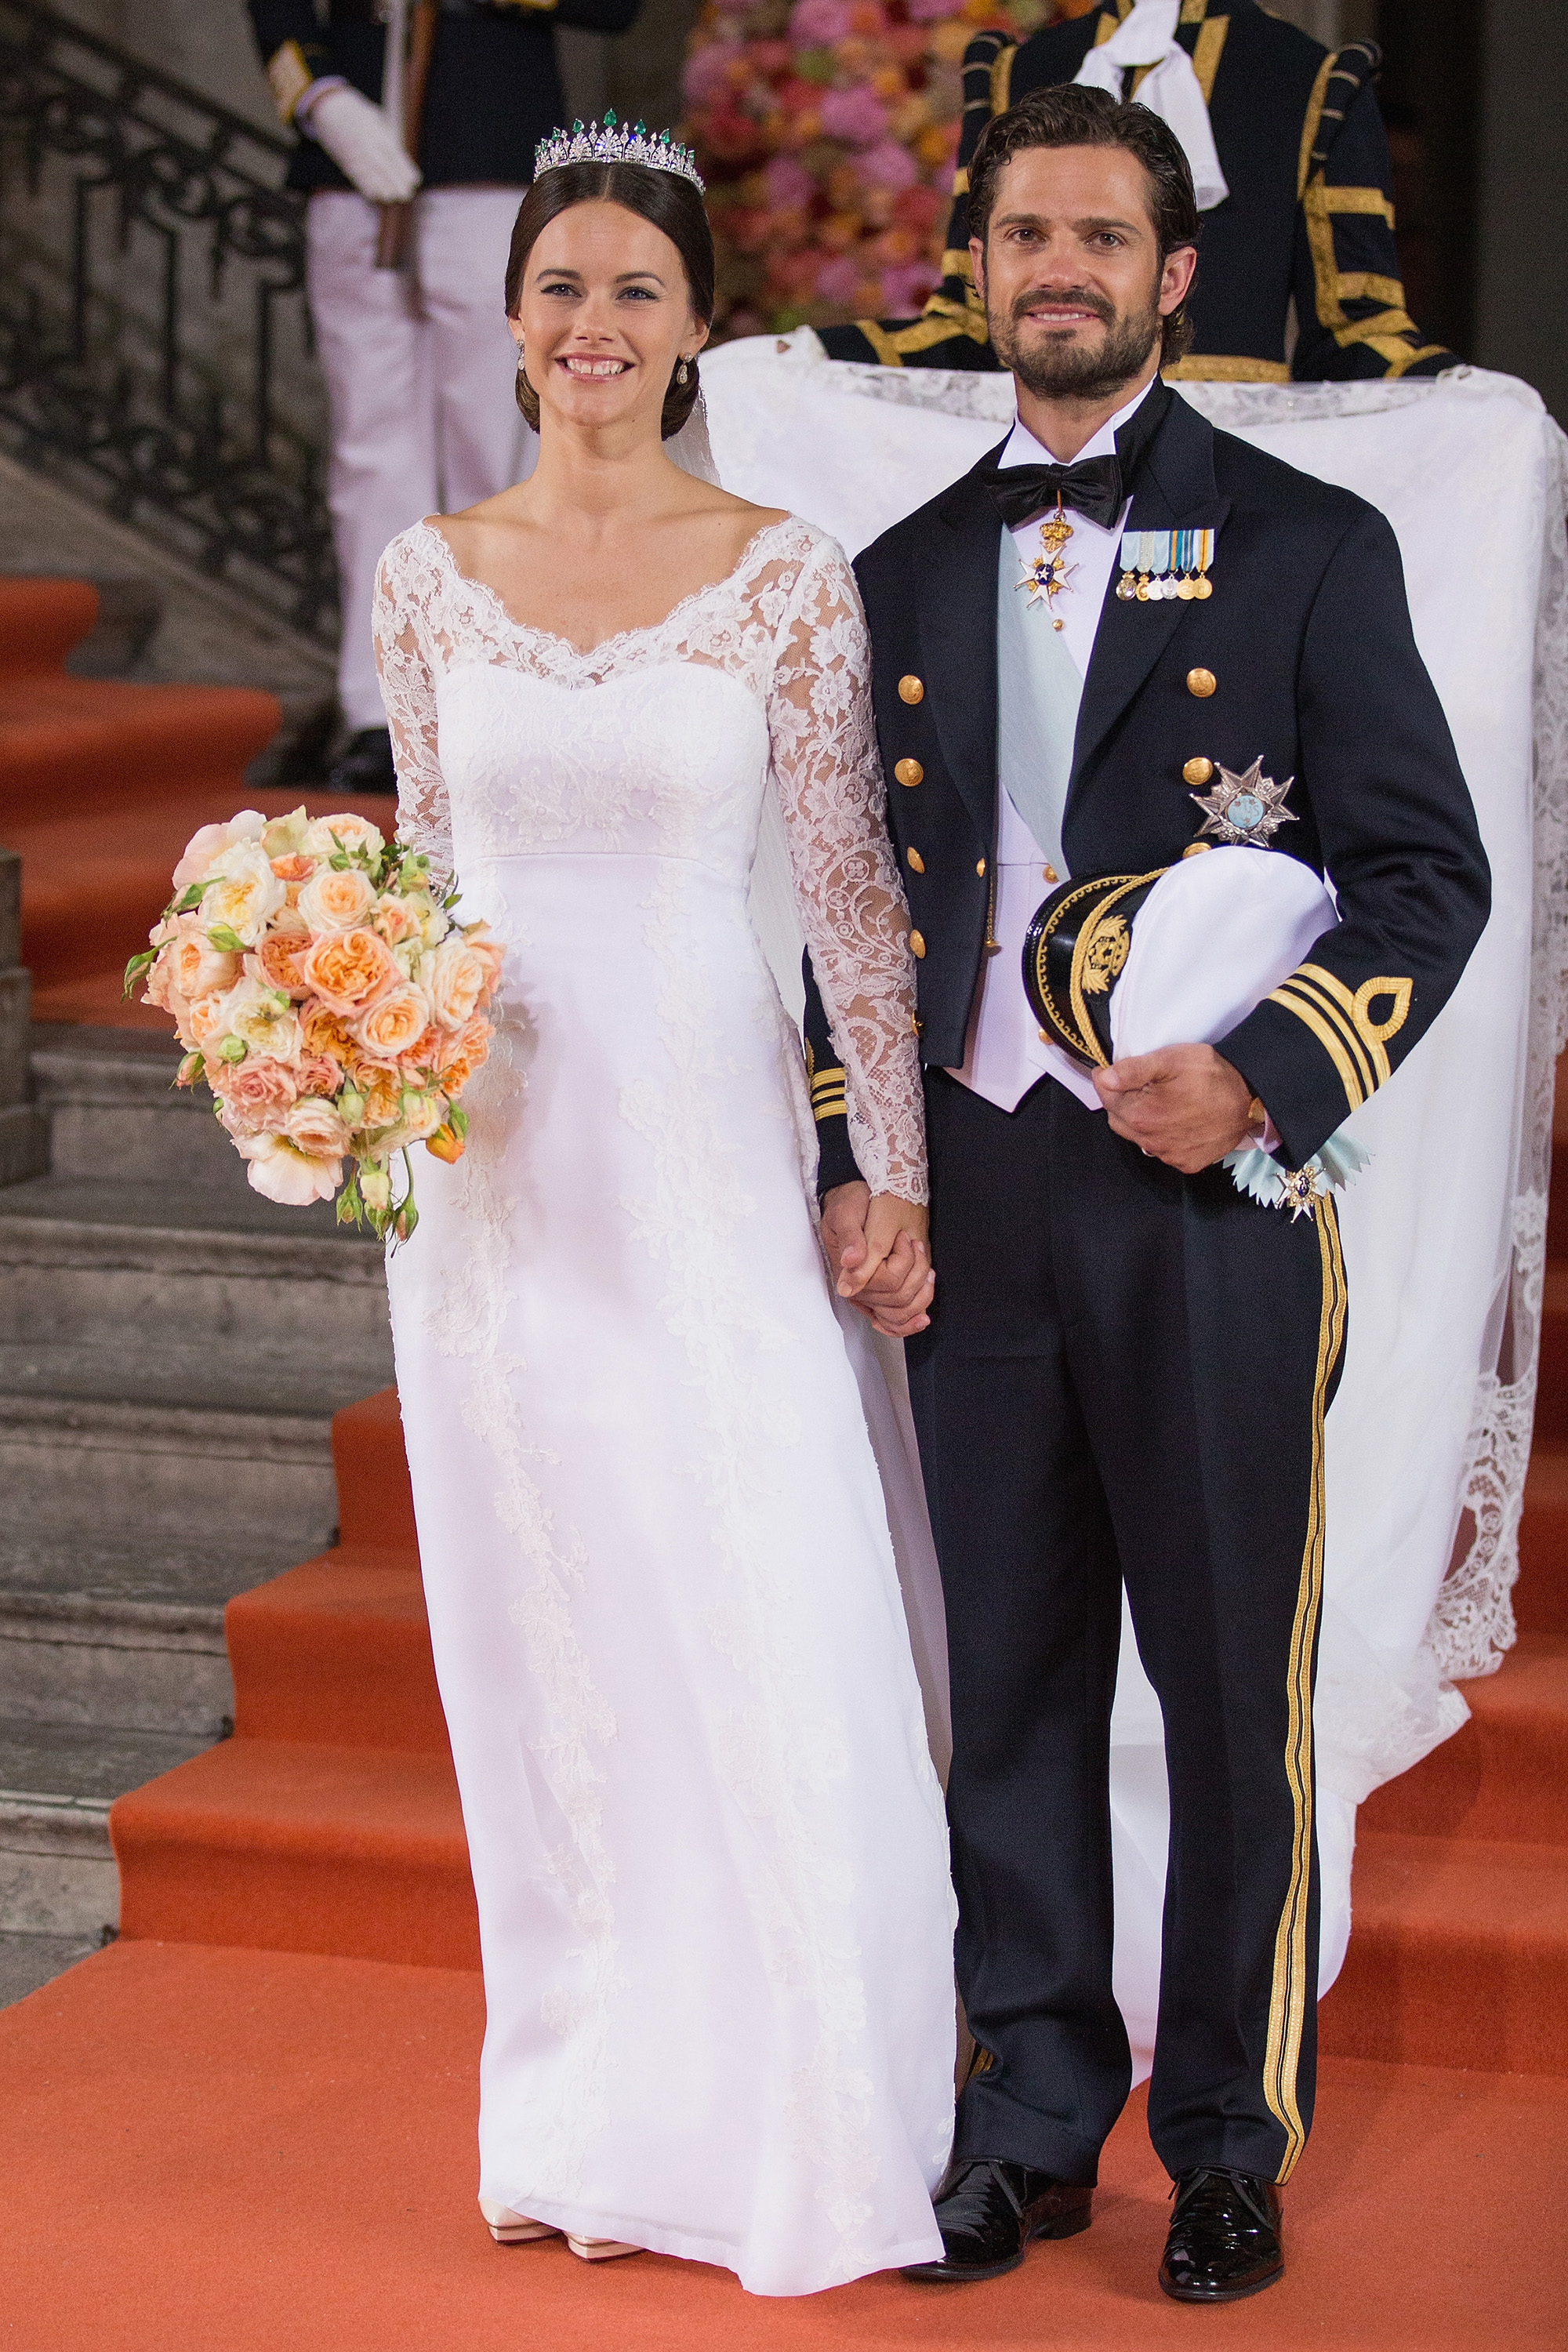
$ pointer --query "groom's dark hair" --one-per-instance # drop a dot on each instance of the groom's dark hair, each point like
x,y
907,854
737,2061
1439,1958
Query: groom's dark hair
x,y
1074,114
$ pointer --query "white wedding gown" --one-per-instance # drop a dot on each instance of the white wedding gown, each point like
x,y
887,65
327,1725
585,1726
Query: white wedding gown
x,y
707,1838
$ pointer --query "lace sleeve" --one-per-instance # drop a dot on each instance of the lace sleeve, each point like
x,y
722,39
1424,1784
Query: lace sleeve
x,y
408,691
828,778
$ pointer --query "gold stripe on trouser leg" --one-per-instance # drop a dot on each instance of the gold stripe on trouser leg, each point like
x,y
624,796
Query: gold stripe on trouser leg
x,y
1287,2003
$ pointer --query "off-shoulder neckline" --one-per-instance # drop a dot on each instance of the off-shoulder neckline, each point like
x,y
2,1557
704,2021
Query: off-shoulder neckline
x,y
621,636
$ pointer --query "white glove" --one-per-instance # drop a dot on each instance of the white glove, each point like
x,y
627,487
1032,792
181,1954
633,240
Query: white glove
x,y
361,142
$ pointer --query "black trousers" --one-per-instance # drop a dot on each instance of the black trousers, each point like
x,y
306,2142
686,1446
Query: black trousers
x,y
1124,1382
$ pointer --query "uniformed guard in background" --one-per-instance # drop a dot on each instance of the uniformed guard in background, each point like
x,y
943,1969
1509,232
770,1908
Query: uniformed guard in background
x,y
1308,220
1121,636
406,298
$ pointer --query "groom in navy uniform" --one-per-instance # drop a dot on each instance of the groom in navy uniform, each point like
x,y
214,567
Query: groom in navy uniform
x,y
1123,1375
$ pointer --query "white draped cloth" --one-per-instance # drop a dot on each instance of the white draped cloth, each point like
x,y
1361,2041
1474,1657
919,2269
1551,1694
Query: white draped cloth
x,y
1444,1233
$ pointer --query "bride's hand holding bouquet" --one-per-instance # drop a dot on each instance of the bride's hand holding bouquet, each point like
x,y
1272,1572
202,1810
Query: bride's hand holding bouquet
x,y
323,990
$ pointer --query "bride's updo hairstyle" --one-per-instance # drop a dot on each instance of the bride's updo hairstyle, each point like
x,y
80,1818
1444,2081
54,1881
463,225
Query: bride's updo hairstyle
x,y
668,200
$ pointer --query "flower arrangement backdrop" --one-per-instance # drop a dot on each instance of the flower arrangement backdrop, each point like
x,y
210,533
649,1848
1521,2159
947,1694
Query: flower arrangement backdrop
x,y
827,130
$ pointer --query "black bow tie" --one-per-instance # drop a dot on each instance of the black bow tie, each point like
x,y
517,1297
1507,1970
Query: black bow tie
x,y
1093,487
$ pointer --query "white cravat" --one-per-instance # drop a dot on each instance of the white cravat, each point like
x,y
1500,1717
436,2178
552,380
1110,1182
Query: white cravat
x,y
1171,89
1004,1053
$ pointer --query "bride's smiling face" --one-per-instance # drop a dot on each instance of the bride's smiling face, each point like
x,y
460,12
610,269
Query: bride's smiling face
x,y
603,315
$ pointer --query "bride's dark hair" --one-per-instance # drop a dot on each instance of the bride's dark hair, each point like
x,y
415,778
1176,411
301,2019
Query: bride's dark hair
x,y
665,198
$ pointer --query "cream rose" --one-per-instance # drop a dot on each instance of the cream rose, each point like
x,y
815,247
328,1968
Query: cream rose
x,y
245,895
453,977
316,1128
262,1018
207,846
398,920
205,1022
284,837
332,833
421,1115
337,900
279,1170
394,1023
349,969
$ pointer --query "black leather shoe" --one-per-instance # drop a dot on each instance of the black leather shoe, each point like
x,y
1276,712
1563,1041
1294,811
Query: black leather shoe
x,y
364,763
988,2211
1225,2238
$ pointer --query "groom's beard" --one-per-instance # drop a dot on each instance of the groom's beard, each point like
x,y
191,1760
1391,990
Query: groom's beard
x,y
1056,366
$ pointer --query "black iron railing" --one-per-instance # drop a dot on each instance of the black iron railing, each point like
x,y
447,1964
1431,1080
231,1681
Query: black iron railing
x,y
154,340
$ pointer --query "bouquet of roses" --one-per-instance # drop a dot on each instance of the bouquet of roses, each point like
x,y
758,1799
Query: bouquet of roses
x,y
323,990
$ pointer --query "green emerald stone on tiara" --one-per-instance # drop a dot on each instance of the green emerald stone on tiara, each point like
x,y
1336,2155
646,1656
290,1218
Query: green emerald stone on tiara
x,y
608,142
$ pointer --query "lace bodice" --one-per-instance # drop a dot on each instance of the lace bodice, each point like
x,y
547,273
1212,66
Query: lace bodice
x,y
682,774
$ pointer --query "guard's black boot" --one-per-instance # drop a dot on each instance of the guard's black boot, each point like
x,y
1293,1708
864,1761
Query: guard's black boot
x,y
364,763
1225,2238
988,2210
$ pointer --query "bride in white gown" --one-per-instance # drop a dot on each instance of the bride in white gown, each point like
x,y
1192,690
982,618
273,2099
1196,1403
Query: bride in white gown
x,y
706,1841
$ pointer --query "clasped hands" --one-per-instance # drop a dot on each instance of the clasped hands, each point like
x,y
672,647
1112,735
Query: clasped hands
x,y
1186,1104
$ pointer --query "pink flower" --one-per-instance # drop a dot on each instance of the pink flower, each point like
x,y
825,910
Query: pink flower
x,y
790,185
256,1095
205,847
888,166
929,12
707,74
317,1074
817,24
837,280
855,115
904,289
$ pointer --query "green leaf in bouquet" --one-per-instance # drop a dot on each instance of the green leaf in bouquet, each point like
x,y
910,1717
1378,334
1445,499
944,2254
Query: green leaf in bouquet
x,y
187,899
136,966
458,1118
224,937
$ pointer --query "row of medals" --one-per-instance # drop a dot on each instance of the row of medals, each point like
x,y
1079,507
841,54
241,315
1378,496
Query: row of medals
x,y
1147,591
1047,574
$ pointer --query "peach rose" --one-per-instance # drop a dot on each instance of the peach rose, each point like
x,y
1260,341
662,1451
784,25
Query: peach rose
x,y
207,846
484,943
421,1115
334,833
394,1023
245,893
317,1074
280,954
279,1170
256,1093
337,901
316,1128
465,1054
294,869
326,1034
349,969
195,967
383,1091
398,920
206,1022
454,977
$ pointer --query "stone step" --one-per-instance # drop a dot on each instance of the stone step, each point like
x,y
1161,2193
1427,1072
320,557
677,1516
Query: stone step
x,y
29,1961
114,1110
57,1873
80,1257
92,1468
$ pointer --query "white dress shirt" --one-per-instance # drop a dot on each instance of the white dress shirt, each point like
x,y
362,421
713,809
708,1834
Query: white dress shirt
x,y
1004,1053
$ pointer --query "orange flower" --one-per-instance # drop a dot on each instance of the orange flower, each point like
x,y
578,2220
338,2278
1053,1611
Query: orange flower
x,y
280,954
326,1033
466,1051
349,969
396,1022
294,869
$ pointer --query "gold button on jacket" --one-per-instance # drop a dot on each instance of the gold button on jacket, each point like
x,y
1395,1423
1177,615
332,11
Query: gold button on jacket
x,y
917,944
912,689
915,858
1200,682
909,772
1198,771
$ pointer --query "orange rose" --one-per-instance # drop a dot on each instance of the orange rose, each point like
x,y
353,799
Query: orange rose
x,y
280,954
466,1052
349,969
394,1023
383,1092
294,869
326,1033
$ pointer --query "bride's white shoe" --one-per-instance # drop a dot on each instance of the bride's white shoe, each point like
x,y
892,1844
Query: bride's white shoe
x,y
601,2250
510,2228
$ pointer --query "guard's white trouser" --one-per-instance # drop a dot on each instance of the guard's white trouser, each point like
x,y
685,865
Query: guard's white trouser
x,y
420,370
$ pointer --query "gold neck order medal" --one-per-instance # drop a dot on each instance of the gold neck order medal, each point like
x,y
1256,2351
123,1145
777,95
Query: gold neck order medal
x,y
1045,574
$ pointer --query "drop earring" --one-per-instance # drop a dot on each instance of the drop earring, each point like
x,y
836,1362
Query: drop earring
x,y
682,372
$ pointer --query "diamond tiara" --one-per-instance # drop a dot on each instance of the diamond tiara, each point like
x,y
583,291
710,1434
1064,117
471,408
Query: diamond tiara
x,y
606,142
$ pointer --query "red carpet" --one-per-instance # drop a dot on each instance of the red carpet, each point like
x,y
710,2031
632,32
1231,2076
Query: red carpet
x,y
102,786
206,2149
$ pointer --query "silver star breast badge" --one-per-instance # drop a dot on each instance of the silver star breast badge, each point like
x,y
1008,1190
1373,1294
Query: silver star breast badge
x,y
1244,809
